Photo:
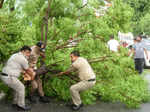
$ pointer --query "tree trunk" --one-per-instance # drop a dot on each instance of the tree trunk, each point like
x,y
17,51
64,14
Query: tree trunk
x,y
1,3
45,69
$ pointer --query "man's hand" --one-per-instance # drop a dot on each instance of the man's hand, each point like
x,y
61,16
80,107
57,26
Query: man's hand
x,y
147,56
61,73
42,54
29,74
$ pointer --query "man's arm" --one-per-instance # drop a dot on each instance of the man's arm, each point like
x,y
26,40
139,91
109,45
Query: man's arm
x,y
132,51
27,69
42,54
118,47
71,69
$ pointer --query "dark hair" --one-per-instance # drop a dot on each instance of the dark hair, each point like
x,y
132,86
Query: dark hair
x,y
24,48
134,39
39,44
139,36
75,53
111,36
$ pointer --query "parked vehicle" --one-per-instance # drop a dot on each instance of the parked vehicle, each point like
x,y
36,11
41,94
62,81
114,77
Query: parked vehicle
x,y
147,46
126,39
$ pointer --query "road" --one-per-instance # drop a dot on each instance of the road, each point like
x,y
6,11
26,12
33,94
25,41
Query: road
x,y
57,106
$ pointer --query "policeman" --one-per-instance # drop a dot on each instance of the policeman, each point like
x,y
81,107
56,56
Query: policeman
x,y
85,74
37,51
10,73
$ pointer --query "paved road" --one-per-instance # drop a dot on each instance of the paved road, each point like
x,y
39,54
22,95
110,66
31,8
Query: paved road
x,y
55,106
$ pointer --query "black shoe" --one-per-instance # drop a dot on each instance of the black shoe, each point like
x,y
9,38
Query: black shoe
x,y
44,99
25,108
14,105
32,99
69,104
77,107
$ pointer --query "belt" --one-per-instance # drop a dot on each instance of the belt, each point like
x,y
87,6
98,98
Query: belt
x,y
91,80
4,74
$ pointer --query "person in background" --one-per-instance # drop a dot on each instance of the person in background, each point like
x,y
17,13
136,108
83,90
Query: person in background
x,y
138,51
113,44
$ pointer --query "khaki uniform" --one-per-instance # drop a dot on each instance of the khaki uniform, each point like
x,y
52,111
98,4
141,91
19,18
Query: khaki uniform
x,y
85,73
13,68
33,59
37,82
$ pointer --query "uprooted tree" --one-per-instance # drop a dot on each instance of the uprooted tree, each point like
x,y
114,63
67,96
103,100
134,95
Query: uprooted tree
x,y
68,25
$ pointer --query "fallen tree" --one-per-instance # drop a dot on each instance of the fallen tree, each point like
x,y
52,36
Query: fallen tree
x,y
115,75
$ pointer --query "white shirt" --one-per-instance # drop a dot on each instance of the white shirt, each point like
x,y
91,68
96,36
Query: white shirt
x,y
15,64
113,45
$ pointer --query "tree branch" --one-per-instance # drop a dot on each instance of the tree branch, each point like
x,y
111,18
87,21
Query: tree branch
x,y
47,16
103,58
67,43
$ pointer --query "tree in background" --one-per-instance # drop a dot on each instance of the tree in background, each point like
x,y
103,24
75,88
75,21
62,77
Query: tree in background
x,y
141,11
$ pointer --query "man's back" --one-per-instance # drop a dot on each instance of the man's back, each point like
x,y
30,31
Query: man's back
x,y
16,63
113,45
84,69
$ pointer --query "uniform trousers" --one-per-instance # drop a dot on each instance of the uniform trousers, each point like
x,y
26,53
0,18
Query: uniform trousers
x,y
18,87
77,88
37,84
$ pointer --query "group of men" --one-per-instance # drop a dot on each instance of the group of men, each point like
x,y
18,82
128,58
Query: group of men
x,y
137,51
25,61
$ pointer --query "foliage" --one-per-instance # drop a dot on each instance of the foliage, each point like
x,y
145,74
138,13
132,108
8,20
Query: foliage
x,y
10,34
141,12
143,25
141,7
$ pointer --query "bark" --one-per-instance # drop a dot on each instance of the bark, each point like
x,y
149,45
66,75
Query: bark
x,y
1,4
42,31
48,69
45,24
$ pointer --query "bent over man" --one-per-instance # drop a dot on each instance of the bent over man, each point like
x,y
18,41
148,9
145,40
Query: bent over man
x,y
86,75
10,73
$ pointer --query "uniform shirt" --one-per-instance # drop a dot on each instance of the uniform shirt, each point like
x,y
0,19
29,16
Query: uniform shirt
x,y
139,50
113,45
35,53
85,71
15,64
